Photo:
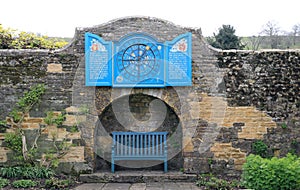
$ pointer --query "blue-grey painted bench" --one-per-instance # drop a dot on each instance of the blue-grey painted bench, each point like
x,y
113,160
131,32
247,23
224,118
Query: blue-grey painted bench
x,y
139,146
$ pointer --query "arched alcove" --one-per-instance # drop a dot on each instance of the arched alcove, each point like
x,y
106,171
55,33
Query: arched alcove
x,y
140,113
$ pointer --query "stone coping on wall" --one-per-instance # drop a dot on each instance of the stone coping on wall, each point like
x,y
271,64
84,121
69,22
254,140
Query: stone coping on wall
x,y
134,18
256,51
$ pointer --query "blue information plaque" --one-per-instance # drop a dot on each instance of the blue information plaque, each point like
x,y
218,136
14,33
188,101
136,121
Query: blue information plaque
x,y
139,60
98,59
178,61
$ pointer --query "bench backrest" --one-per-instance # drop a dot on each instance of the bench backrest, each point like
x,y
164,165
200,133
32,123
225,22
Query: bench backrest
x,y
141,144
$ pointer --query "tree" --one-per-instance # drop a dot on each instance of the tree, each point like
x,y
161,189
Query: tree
x,y
271,29
287,39
295,32
24,105
226,38
254,42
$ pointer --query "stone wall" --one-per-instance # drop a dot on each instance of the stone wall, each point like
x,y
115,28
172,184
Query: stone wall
x,y
237,97
268,80
21,69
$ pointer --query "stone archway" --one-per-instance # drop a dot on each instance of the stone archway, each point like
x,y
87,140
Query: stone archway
x,y
138,112
184,101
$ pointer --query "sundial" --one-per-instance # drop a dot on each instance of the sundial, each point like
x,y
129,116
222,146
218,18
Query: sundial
x,y
138,62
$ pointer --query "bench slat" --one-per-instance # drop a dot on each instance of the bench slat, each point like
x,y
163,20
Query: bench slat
x,y
139,146
160,144
149,150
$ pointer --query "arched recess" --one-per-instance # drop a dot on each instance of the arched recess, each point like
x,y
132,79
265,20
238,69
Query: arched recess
x,y
138,112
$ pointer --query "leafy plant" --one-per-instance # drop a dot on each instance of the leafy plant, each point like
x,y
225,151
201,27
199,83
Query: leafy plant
x,y
31,97
49,119
284,126
63,146
3,126
294,148
18,140
74,129
84,109
28,172
208,181
24,105
58,183
271,174
3,182
260,148
14,141
2,122
60,119
15,115
52,118
10,172
24,183
51,159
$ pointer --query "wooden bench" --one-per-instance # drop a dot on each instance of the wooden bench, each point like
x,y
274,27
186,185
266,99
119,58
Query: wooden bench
x,y
139,146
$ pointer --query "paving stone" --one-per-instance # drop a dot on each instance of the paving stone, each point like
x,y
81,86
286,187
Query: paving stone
x,y
116,186
90,186
137,177
154,186
171,186
187,186
138,186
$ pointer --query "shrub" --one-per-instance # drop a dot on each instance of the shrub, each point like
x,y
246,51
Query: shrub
x,y
13,39
273,174
260,148
6,37
24,183
3,182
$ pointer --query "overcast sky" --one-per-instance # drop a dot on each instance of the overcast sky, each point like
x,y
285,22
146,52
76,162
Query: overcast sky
x,y
61,17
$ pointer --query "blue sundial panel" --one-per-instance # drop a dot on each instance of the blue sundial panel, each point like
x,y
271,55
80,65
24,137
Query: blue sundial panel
x,y
138,61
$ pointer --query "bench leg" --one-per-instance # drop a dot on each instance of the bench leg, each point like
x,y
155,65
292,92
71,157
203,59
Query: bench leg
x,y
165,166
112,166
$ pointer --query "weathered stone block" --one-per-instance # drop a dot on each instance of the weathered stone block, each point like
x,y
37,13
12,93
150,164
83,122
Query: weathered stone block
x,y
3,154
74,154
30,125
70,120
33,120
72,109
54,68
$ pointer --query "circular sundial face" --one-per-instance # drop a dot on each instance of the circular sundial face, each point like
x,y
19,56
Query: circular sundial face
x,y
138,62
